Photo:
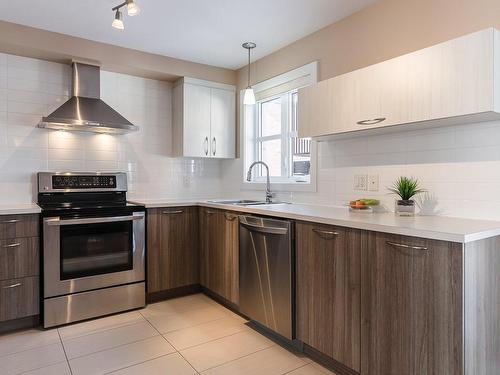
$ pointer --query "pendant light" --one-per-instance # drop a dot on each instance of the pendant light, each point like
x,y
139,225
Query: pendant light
x,y
132,8
249,95
118,21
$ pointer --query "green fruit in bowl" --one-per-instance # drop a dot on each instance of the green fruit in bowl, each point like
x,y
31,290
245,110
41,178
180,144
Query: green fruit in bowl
x,y
370,202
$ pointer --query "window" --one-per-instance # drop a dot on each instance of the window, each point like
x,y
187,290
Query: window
x,y
276,141
270,133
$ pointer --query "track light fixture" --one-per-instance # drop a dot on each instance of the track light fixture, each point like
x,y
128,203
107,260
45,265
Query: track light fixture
x,y
132,10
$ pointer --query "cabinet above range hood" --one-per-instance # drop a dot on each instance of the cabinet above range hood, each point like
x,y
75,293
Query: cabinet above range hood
x,y
85,111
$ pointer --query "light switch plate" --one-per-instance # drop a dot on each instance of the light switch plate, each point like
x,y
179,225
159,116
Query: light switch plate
x,y
373,182
360,182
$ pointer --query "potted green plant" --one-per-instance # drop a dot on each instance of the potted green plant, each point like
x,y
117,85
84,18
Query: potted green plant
x,y
406,188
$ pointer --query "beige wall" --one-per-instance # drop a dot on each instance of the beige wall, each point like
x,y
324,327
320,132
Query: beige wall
x,y
384,30
30,42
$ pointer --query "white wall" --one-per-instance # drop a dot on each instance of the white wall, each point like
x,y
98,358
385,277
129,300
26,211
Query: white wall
x,y
459,166
31,88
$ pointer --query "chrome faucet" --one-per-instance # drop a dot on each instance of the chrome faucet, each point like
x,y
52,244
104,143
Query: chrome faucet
x,y
269,195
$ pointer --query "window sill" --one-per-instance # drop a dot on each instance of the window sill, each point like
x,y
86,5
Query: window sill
x,y
280,186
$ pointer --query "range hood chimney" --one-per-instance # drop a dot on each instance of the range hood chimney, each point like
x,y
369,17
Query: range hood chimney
x,y
85,111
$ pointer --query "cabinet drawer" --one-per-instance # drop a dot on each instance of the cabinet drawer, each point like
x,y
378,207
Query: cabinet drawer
x,y
19,257
19,298
13,226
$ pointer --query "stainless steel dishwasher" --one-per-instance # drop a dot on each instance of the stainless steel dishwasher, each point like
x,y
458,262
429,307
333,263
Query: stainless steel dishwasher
x,y
266,273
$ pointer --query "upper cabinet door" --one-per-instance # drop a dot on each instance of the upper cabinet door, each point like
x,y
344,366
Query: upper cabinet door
x,y
204,119
222,124
449,83
196,137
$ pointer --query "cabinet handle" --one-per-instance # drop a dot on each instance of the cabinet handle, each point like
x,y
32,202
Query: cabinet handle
x,y
13,221
206,145
406,246
230,217
12,245
172,212
11,286
214,143
325,232
208,212
372,121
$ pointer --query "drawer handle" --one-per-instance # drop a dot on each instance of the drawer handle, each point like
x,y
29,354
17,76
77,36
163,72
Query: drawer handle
x,y
172,212
12,245
230,217
11,286
209,212
325,232
404,246
372,121
13,221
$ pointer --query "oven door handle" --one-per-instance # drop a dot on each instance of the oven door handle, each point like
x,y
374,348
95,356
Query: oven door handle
x,y
93,220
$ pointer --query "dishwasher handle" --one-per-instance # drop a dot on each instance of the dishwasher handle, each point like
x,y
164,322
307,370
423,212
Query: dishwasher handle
x,y
267,230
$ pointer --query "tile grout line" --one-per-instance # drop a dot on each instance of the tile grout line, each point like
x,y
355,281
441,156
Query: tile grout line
x,y
176,351
212,340
114,347
64,350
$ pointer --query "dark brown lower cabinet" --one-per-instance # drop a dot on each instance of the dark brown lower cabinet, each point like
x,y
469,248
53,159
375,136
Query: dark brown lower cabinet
x,y
172,248
219,250
329,291
19,298
411,306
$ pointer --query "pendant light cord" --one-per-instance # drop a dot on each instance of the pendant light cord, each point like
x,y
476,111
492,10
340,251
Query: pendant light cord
x,y
249,67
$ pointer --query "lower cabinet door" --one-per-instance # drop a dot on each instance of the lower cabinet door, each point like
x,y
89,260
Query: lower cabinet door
x,y
411,306
19,298
328,291
173,259
219,252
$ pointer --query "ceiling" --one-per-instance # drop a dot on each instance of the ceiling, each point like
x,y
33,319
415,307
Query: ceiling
x,y
205,31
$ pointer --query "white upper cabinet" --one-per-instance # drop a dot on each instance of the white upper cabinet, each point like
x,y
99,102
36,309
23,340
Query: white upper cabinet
x,y
204,119
450,83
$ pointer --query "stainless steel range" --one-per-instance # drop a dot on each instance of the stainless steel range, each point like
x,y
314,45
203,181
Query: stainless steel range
x,y
93,246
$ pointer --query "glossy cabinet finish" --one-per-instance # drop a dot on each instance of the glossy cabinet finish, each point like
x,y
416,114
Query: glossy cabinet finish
x,y
204,119
328,301
219,253
411,306
450,83
172,251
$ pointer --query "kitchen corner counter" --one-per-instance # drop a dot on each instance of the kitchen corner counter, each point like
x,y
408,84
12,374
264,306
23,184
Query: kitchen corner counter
x,y
19,209
433,227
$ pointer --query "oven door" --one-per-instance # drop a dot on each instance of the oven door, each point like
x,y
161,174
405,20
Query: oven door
x,y
81,254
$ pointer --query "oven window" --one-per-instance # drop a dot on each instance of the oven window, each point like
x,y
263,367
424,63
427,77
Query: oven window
x,y
95,249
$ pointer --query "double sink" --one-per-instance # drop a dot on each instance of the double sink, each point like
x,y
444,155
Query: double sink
x,y
242,202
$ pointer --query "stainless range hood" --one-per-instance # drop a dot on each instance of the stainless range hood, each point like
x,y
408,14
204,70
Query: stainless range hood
x,y
85,111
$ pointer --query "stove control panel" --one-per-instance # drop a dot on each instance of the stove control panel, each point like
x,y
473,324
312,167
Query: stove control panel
x,y
83,182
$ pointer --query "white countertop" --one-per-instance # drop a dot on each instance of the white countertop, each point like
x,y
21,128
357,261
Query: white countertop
x,y
17,209
433,227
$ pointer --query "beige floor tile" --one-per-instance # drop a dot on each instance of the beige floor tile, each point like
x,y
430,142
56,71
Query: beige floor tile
x,y
96,325
170,322
170,364
121,356
217,352
202,333
179,305
33,338
31,359
57,369
108,339
311,369
272,361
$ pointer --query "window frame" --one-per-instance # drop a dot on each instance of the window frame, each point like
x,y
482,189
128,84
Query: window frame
x,y
304,76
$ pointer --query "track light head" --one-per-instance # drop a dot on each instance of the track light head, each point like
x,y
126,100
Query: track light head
x,y
132,8
118,21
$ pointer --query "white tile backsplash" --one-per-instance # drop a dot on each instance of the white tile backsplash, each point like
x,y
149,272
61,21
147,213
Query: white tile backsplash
x,y
32,88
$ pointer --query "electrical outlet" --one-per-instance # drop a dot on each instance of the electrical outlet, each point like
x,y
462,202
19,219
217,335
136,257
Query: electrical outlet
x,y
373,182
360,182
